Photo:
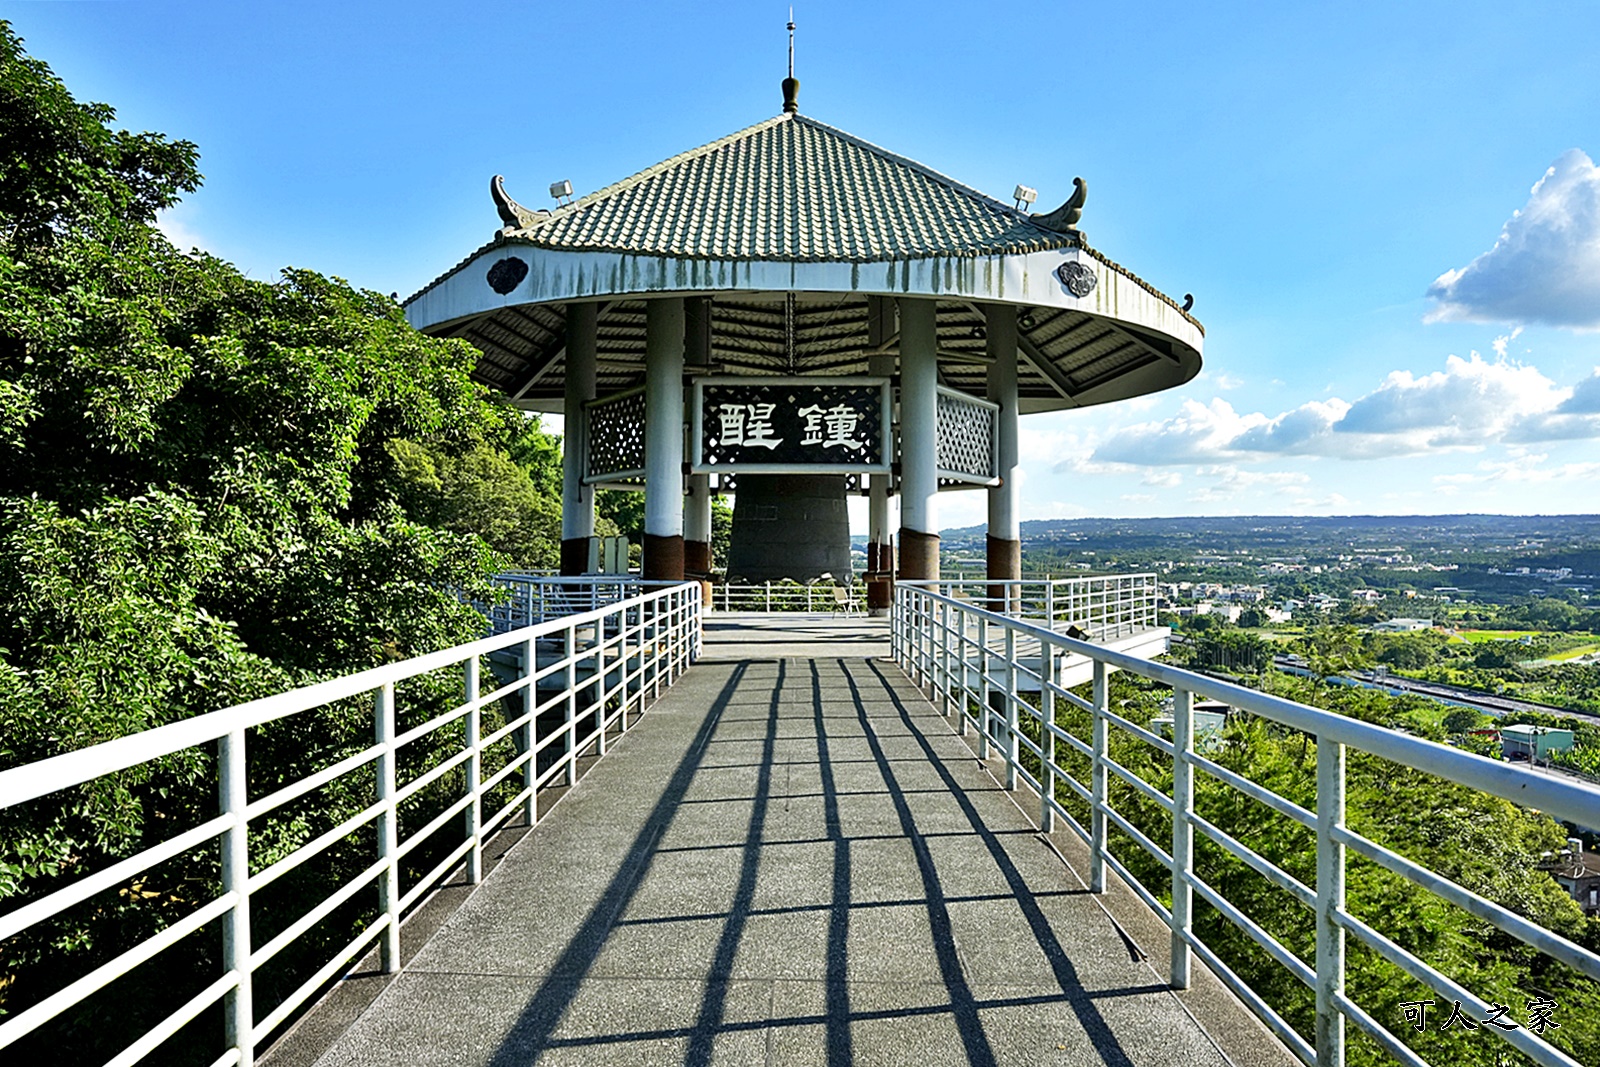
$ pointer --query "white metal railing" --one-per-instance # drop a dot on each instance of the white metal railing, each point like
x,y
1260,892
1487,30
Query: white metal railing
x,y
536,598
789,596
1103,607
598,670
947,646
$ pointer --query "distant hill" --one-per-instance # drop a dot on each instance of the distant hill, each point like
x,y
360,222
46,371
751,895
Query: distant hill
x,y
1564,527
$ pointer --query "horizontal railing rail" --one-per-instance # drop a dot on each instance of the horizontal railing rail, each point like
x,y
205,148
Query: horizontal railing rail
x,y
535,598
948,645
568,683
1102,607
789,596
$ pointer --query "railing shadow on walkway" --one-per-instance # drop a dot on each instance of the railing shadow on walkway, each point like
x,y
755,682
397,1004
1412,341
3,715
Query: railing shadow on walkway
x,y
858,706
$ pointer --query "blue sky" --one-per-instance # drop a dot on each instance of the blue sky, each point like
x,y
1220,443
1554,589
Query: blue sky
x,y
1397,320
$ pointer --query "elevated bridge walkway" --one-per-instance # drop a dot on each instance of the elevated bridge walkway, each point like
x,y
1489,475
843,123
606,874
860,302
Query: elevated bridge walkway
x,y
792,859
622,829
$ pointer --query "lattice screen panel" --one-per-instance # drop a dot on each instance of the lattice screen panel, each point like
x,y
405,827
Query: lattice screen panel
x,y
967,429
616,437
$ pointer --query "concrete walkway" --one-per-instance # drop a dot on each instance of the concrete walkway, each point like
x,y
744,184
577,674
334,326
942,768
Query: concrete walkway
x,y
788,861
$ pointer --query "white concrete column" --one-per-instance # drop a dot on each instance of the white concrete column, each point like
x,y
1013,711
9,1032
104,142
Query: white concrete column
x,y
877,516
577,499
919,484
1004,543
697,511
697,505
880,534
663,439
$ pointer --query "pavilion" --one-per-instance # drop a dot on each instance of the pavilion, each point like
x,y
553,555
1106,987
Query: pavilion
x,y
794,302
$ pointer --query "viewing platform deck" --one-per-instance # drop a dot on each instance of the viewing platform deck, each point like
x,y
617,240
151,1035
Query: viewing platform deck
x,y
792,859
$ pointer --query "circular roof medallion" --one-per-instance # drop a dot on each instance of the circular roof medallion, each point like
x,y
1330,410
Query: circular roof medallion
x,y
1078,279
507,274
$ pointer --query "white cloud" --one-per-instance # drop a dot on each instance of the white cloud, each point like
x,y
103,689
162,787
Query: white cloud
x,y
1333,502
1049,446
1052,509
1585,398
1520,470
1294,431
1502,341
1196,434
1468,405
1460,406
1233,478
1545,267
1228,381
177,230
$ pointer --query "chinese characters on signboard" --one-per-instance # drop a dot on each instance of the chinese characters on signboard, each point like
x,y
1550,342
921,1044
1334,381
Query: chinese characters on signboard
x,y
782,423
1540,1016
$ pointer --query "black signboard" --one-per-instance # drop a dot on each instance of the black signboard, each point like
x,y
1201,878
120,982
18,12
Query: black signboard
x,y
791,425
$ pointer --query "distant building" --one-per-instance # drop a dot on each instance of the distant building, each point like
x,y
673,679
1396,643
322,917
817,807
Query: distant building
x,y
1533,742
1578,873
1207,716
1402,626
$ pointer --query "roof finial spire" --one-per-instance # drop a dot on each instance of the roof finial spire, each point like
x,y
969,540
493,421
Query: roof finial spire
x,y
791,84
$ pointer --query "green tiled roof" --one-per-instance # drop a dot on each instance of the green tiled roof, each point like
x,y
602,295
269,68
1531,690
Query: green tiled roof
x,y
792,189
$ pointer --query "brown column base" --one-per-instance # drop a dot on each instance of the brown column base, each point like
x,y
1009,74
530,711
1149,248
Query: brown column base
x,y
697,559
1004,564
919,555
872,557
880,592
663,558
574,555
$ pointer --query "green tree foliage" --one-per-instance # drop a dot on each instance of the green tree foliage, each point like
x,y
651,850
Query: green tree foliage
x,y
626,511
1233,651
1497,655
1488,845
481,491
1333,650
1461,720
211,489
1408,652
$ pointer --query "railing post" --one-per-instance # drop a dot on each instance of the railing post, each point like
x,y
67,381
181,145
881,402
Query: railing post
x,y
529,733
1097,779
233,795
655,648
1047,737
914,636
1182,834
1013,750
944,655
769,596
597,687
474,774
569,646
388,829
927,642
622,663
1049,604
983,687
1330,899
966,675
